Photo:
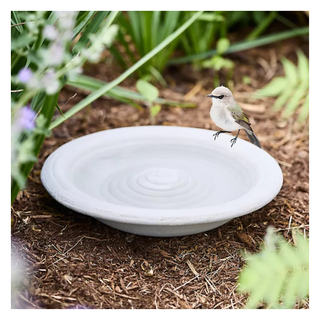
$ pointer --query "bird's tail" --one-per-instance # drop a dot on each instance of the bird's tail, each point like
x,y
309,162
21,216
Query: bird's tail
x,y
252,137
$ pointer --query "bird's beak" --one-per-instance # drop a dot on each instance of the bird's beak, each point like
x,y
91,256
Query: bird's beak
x,y
211,96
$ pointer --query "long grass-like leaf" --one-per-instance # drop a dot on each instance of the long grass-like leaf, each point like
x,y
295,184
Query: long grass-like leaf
x,y
155,28
16,22
98,93
91,28
118,93
171,21
59,109
244,45
37,101
136,31
147,29
116,54
82,22
262,26
125,44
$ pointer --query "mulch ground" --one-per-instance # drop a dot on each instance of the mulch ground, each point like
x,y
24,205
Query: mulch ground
x,y
74,261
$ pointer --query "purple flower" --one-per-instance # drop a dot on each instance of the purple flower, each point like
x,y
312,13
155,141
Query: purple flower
x,y
26,118
25,75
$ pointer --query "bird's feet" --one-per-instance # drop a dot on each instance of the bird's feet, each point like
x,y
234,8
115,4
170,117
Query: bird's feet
x,y
216,135
233,141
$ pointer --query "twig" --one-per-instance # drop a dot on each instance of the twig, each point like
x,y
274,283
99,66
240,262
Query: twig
x,y
213,287
284,163
125,296
175,293
192,268
19,24
298,227
185,283
70,99
26,300
290,219
66,252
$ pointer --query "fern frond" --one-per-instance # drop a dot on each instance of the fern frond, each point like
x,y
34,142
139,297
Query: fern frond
x,y
291,90
278,275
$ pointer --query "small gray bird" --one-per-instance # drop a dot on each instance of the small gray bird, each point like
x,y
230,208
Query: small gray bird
x,y
228,115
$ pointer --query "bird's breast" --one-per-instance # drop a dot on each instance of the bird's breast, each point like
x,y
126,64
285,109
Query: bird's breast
x,y
223,118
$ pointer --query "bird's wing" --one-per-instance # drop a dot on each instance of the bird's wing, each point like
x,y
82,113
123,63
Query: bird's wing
x,y
240,117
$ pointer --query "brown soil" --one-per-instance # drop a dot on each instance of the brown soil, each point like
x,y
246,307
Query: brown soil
x,y
74,261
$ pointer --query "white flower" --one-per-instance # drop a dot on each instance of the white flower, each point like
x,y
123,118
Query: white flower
x,y
50,32
109,36
50,83
72,74
56,53
67,35
66,19
92,55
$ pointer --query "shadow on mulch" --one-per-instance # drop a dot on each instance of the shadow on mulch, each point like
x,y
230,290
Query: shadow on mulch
x,y
74,261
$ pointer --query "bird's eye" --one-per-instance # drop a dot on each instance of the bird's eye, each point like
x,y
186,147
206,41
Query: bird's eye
x,y
220,97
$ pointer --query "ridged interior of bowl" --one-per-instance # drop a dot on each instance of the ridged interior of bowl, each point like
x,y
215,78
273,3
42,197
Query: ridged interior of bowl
x,y
161,175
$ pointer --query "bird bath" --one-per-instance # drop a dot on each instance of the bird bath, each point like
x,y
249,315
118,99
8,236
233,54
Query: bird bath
x,y
161,181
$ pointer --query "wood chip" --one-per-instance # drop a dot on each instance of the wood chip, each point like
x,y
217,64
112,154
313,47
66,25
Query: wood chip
x,y
192,268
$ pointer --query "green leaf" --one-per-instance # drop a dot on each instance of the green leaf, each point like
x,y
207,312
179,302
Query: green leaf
x,y
22,41
211,17
82,20
37,101
262,26
302,87
92,28
217,63
90,84
273,88
244,45
291,89
246,80
143,31
303,67
158,76
278,275
16,21
283,98
290,72
105,88
47,111
223,45
154,110
149,91
57,106
258,16
294,101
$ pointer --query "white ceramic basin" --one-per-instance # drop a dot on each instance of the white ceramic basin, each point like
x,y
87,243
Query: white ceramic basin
x,y
161,181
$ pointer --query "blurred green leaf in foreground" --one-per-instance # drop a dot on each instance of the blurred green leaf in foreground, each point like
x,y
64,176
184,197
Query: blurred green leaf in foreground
x,y
279,274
